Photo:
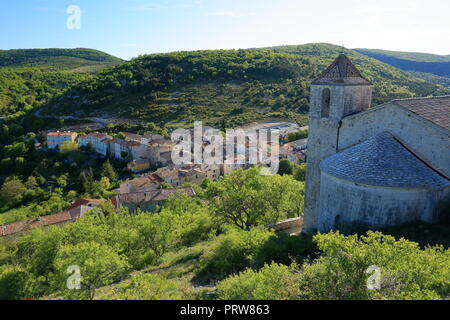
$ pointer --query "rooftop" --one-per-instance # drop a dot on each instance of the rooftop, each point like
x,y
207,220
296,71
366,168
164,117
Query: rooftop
x,y
382,161
124,142
62,133
84,202
342,71
98,135
153,195
146,181
434,109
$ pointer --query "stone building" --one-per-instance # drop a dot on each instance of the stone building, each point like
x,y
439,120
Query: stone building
x,y
373,167
98,141
57,139
149,200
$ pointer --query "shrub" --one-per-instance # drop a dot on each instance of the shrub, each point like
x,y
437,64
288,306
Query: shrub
x,y
285,249
272,282
407,272
14,283
232,253
150,287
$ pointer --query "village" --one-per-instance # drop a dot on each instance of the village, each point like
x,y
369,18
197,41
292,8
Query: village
x,y
150,189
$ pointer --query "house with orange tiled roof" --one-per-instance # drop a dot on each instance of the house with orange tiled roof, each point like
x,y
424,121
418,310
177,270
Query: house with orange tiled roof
x,y
92,203
146,183
77,209
56,139
123,149
97,140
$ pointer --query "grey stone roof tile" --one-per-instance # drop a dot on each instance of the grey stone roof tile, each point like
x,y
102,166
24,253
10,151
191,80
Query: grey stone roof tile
x,y
382,161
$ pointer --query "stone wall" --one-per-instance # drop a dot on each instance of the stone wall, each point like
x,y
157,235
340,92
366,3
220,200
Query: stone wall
x,y
345,204
293,225
324,133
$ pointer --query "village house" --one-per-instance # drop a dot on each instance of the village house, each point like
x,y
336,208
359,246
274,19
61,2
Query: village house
x,y
149,200
77,209
57,139
98,141
212,171
177,175
122,149
148,182
150,137
294,151
169,174
133,137
158,148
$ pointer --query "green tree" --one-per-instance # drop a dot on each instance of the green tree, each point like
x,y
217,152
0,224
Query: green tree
x,y
245,198
150,287
108,171
300,172
12,191
14,283
406,271
99,266
158,232
68,146
285,167
272,282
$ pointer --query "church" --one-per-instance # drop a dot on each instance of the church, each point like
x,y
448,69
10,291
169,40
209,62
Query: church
x,y
374,167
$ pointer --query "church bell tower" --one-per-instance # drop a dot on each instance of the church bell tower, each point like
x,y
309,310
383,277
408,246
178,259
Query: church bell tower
x,y
340,91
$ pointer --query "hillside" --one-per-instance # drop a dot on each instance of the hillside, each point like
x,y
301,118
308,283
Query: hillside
x,y
226,87
71,60
412,61
25,89
30,78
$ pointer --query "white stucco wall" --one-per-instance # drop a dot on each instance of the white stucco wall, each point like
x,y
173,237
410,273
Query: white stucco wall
x,y
371,206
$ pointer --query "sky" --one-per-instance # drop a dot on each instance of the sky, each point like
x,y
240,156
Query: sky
x,y
128,28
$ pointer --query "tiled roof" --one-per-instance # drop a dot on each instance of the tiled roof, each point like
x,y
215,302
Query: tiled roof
x,y
161,142
77,209
124,142
153,136
20,226
168,172
62,133
434,109
98,135
382,161
153,195
146,181
84,202
342,71
133,136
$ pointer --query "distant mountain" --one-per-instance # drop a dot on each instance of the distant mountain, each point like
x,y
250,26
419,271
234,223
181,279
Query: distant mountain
x,y
72,60
226,87
412,61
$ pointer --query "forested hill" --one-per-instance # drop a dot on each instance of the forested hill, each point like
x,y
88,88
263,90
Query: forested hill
x,y
226,87
74,60
410,61
30,78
